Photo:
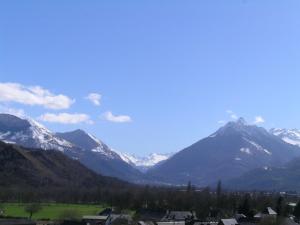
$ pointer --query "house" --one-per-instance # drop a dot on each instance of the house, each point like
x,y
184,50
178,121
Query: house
x,y
171,223
118,219
240,217
268,212
205,223
228,222
179,216
149,215
95,220
146,223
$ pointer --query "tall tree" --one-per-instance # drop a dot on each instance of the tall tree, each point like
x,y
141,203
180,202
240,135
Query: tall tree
x,y
245,206
280,206
297,212
189,187
219,189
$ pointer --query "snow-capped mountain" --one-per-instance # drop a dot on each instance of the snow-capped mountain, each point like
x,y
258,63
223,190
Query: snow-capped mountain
x,y
232,150
290,136
146,162
29,133
101,158
88,142
77,144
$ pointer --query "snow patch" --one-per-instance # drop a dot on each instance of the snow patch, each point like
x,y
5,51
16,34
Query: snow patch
x,y
289,136
258,147
246,150
146,161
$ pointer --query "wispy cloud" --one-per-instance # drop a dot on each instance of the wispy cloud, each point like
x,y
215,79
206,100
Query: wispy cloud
x,y
12,111
116,118
33,95
66,118
221,122
232,114
95,98
259,119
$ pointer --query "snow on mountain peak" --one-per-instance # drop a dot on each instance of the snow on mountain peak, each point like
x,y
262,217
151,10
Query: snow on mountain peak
x,y
291,136
144,162
30,133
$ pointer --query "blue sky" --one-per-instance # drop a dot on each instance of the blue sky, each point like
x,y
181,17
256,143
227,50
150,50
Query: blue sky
x,y
172,69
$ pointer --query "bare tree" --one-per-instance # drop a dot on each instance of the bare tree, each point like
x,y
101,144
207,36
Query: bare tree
x,y
32,208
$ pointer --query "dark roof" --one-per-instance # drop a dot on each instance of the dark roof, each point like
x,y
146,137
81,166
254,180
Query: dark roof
x,y
266,211
205,223
178,215
150,215
16,222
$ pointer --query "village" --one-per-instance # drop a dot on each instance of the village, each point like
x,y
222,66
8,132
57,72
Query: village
x,y
109,217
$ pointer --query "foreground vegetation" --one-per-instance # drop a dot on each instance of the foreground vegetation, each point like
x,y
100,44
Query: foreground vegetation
x,y
207,203
51,211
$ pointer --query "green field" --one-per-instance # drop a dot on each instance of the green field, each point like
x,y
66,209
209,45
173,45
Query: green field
x,y
51,211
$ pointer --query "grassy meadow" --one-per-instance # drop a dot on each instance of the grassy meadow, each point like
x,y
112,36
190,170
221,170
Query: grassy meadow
x,y
52,210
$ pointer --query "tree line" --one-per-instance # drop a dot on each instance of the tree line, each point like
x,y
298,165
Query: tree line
x,y
206,202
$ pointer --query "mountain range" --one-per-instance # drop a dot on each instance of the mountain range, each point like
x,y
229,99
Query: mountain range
x,y
76,144
27,168
235,153
231,151
146,162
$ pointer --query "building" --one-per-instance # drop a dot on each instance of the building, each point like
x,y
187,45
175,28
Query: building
x,y
266,213
171,223
179,216
95,220
228,222
205,223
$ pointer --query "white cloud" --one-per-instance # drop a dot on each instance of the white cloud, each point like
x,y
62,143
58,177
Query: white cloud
x,y
232,114
33,95
221,121
66,118
12,111
94,98
259,119
116,118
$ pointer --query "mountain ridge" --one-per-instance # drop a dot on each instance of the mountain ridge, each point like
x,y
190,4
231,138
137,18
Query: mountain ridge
x,y
232,150
91,152
24,167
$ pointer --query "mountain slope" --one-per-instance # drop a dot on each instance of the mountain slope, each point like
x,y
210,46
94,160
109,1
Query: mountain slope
x,y
77,144
285,178
100,158
21,167
29,133
232,150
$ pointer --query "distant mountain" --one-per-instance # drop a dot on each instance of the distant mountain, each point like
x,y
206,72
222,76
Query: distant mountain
x,y
284,178
31,134
290,136
146,162
100,158
76,144
234,149
22,168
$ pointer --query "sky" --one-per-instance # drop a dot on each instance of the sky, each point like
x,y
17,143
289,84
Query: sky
x,y
150,76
